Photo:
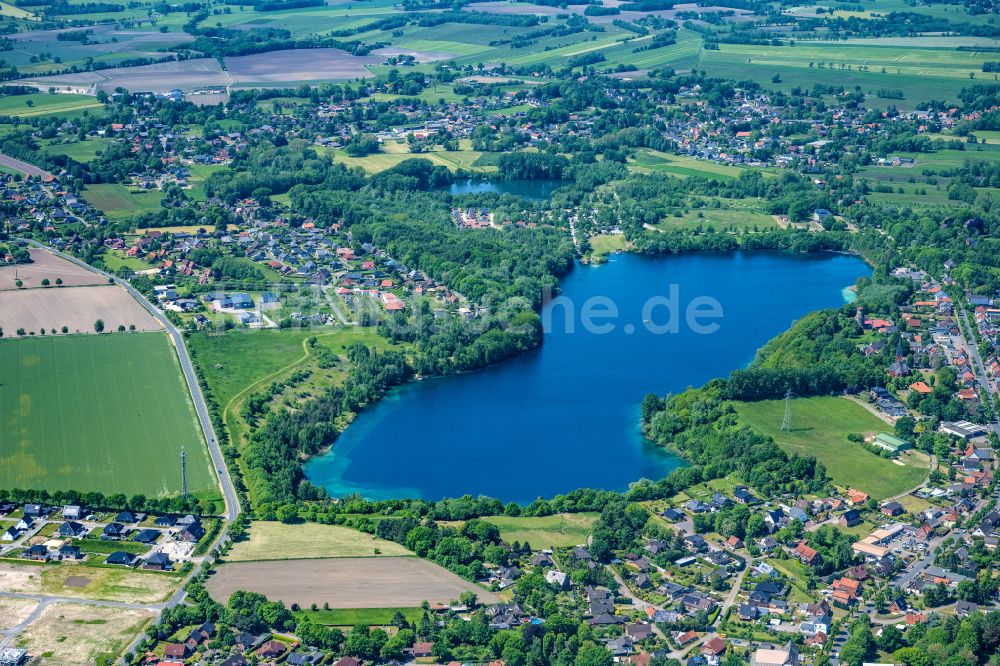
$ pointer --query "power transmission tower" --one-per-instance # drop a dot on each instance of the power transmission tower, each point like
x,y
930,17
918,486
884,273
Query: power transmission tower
x,y
184,478
786,425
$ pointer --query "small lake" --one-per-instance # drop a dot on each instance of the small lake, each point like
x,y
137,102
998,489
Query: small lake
x,y
567,416
533,190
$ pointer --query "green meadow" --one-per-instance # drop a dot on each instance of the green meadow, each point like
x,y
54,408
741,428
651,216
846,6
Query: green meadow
x,y
105,413
820,427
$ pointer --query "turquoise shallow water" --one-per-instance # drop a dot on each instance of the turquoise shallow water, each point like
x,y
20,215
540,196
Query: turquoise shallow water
x,y
567,416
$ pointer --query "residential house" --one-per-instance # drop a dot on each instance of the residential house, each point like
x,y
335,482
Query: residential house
x,y
850,518
122,558
804,553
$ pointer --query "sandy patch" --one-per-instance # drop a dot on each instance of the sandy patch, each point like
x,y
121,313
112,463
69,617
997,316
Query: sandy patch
x,y
14,611
76,581
77,308
20,578
79,634
371,582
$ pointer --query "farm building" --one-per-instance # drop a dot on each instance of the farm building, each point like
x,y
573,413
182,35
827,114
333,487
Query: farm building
x,y
891,443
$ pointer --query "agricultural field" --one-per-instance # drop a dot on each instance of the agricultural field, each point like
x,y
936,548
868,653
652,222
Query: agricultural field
x,y
556,531
55,293
649,160
45,104
45,265
358,582
278,541
919,68
820,427
57,435
77,309
67,633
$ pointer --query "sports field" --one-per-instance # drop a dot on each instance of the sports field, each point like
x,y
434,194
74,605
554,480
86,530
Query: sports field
x,y
105,413
820,427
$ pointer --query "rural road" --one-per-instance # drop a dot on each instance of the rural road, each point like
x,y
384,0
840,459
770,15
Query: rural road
x,y
233,507
229,492
23,167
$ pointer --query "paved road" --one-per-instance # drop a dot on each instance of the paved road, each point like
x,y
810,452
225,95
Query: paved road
x,y
977,362
23,167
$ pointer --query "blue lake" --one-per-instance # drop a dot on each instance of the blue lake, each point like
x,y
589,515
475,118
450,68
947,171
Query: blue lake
x,y
567,416
534,190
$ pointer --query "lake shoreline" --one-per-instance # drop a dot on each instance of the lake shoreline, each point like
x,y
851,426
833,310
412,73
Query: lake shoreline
x,y
402,392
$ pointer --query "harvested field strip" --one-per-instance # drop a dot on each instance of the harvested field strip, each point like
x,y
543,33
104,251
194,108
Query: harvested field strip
x,y
372,582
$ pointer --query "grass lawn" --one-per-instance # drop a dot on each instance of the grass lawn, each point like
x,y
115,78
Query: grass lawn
x,y
108,413
81,151
349,617
820,427
278,541
558,531
607,243
117,201
395,153
797,573
115,260
737,215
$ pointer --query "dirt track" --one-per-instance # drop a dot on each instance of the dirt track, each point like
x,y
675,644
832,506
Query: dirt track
x,y
376,582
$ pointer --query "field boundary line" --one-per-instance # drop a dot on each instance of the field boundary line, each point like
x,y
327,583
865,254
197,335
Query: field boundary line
x,y
323,557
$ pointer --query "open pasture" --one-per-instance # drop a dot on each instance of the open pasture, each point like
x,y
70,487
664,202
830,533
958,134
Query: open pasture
x,y
364,582
820,427
556,531
108,413
278,541
647,159
118,201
